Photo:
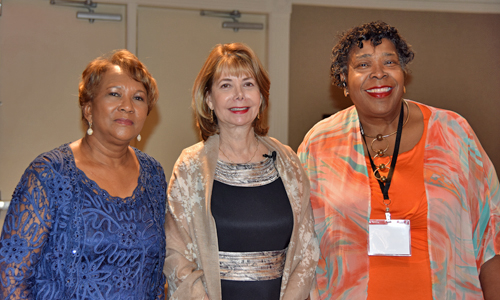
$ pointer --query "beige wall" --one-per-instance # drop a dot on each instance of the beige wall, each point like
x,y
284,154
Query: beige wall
x,y
456,66
175,43
44,49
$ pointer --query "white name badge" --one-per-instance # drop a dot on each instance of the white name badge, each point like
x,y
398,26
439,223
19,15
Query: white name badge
x,y
389,238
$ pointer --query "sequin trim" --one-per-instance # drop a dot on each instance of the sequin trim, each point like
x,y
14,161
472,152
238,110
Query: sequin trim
x,y
246,175
252,266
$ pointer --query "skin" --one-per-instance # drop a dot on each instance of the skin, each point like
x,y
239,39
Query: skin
x,y
236,101
375,82
490,281
118,113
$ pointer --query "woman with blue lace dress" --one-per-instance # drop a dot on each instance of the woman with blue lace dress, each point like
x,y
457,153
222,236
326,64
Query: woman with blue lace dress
x,y
86,221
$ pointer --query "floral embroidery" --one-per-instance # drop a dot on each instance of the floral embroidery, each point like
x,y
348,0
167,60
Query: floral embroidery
x,y
14,249
65,238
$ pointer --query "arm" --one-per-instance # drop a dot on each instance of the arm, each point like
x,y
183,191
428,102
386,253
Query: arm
x,y
24,234
490,278
306,254
183,275
302,277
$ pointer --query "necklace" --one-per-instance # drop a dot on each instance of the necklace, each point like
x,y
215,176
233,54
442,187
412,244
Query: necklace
x,y
380,153
380,137
256,148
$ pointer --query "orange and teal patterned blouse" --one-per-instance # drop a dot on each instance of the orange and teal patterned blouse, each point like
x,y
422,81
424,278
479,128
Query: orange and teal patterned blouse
x,y
461,184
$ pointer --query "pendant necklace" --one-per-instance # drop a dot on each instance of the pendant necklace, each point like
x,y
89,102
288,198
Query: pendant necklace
x,y
385,167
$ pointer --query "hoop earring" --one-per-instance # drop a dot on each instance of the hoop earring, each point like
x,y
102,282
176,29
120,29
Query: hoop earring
x,y
139,137
90,131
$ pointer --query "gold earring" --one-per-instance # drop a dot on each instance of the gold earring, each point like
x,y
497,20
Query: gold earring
x,y
404,89
346,93
212,115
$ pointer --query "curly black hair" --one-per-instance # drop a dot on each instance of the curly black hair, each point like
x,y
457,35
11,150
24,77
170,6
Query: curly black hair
x,y
373,32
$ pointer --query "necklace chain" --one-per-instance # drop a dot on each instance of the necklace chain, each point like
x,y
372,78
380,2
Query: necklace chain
x,y
256,149
380,136
385,167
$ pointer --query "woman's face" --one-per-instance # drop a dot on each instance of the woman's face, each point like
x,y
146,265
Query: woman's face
x,y
235,100
119,108
375,80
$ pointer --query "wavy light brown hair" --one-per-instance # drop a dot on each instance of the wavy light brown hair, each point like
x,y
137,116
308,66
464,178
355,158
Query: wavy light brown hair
x,y
128,62
372,32
232,59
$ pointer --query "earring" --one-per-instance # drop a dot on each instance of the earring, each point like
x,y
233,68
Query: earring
x,y
258,115
346,93
90,131
139,138
211,115
404,89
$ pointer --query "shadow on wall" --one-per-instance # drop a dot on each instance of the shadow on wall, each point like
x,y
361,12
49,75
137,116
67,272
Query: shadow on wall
x,y
152,121
338,100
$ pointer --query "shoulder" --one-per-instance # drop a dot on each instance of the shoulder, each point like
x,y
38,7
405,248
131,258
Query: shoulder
x,y
54,159
147,159
443,119
338,123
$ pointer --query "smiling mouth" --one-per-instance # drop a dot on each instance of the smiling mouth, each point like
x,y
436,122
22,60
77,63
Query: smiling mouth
x,y
379,90
238,108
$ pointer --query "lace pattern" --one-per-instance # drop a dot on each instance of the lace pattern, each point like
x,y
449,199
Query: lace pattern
x,y
66,238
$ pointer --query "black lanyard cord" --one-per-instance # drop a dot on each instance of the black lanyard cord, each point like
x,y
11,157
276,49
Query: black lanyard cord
x,y
384,187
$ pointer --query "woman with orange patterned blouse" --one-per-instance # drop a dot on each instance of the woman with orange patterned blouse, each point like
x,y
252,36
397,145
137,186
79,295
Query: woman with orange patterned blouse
x,y
405,199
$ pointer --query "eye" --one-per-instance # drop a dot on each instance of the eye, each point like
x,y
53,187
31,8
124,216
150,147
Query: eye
x,y
362,65
114,94
249,83
139,98
224,86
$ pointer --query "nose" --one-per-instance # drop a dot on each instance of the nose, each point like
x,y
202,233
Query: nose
x,y
378,71
127,105
239,94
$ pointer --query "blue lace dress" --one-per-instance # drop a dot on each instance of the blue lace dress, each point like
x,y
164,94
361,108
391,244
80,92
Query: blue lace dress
x,y
66,238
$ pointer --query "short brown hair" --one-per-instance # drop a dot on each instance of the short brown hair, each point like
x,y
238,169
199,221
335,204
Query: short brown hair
x,y
235,59
128,62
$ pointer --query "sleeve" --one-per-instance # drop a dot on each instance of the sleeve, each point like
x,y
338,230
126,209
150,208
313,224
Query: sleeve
x,y
484,200
322,277
183,275
25,232
307,248
302,277
161,186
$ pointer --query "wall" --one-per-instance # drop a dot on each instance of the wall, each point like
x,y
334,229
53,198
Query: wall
x,y
44,48
456,65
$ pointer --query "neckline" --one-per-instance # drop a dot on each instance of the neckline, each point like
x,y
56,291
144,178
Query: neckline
x,y
129,200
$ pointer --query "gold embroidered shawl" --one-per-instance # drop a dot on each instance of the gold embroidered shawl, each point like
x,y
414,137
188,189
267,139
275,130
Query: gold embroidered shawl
x,y
192,263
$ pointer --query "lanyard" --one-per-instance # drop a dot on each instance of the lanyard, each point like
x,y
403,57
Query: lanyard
x,y
384,187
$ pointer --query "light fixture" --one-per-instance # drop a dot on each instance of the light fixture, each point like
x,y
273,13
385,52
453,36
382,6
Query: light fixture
x,y
96,16
233,14
90,15
242,25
